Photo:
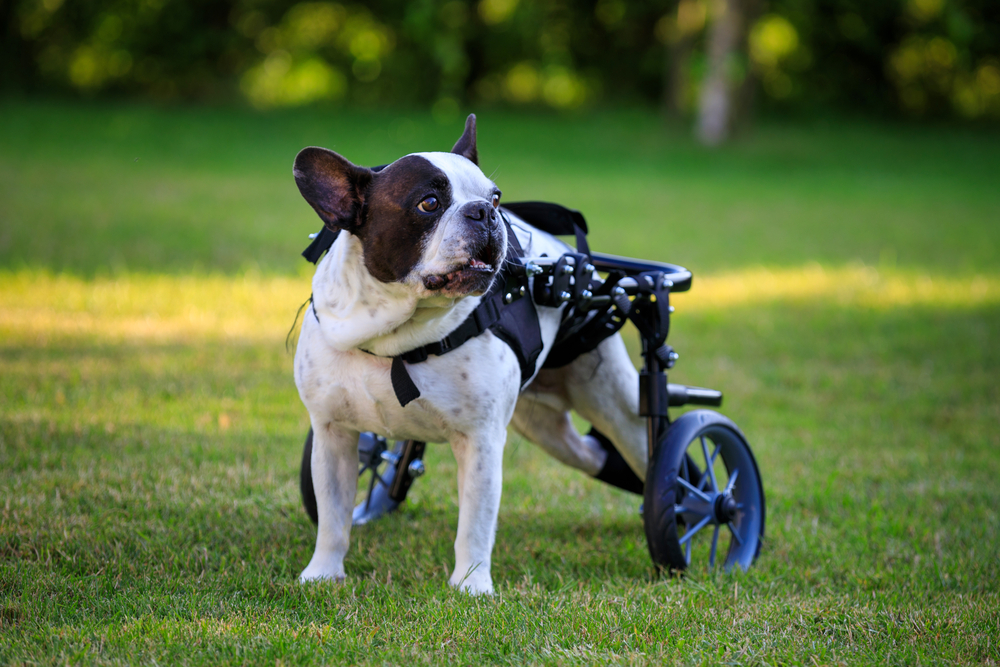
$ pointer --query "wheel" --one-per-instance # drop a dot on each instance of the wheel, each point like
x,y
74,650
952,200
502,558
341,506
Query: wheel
x,y
306,480
370,456
703,482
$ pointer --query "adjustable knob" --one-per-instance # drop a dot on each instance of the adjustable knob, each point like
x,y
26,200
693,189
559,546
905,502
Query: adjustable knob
x,y
416,468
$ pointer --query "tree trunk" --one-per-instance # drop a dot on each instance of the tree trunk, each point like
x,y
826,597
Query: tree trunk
x,y
717,103
678,56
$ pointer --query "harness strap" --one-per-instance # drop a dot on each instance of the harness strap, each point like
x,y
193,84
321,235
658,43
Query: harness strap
x,y
554,219
402,383
486,314
479,320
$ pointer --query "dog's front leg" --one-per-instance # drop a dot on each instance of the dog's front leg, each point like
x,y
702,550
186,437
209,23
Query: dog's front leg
x,y
335,480
480,482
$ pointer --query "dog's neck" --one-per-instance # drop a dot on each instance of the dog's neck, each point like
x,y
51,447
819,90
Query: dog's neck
x,y
356,310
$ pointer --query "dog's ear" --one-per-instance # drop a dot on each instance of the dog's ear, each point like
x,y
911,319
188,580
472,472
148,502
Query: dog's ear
x,y
466,145
332,185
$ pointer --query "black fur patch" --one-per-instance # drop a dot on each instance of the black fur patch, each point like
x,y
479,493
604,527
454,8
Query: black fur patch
x,y
395,232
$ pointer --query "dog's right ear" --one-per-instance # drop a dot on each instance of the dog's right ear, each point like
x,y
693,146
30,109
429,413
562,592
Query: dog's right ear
x,y
333,186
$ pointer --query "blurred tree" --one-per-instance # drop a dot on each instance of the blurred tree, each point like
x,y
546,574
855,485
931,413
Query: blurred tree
x,y
717,106
680,32
925,58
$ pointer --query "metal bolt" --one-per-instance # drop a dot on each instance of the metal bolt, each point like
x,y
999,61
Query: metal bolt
x,y
522,291
674,356
567,268
590,268
416,468
314,235
667,283
618,291
565,296
649,280
532,269
670,308
586,294
508,297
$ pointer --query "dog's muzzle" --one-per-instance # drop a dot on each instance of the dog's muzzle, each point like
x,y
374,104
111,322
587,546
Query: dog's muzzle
x,y
487,248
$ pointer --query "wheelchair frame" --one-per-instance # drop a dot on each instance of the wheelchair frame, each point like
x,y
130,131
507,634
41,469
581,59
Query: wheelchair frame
x,y
682,497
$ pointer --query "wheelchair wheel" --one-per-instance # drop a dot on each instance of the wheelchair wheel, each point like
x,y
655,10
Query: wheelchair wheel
x,y
703,484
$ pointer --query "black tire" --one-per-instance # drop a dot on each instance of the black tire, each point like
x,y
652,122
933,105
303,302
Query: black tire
x,y
306,480
668,515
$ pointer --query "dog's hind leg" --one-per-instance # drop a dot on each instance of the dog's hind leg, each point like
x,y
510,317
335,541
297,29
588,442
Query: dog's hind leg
x,y
542,416
335,481
603,387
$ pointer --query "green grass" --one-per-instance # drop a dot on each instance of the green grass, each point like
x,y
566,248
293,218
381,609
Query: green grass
x,y
99,189
149,505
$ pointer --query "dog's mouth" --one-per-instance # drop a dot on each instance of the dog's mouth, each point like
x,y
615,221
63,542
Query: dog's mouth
x,y
472,277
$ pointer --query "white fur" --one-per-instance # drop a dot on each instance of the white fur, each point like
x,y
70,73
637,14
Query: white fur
x,y
468,396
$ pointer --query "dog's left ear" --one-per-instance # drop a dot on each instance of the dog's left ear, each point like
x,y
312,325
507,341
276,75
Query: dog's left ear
x,y
333,186
466,145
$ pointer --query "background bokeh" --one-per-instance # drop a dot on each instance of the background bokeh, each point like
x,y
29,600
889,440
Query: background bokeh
x,y
914,58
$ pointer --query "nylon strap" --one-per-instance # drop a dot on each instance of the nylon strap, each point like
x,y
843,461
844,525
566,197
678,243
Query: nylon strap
x,y
402,383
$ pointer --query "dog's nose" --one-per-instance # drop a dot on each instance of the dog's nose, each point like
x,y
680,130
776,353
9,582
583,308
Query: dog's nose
x,y
478,211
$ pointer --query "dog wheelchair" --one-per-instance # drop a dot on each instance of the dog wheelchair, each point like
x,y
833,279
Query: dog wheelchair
x,y
702,480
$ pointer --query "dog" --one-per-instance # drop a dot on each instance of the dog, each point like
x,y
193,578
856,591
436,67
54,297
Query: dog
x,y
419,243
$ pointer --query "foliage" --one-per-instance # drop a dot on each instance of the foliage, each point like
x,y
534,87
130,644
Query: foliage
x,y
921,57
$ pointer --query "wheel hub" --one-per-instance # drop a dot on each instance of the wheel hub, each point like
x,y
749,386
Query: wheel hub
x,y
725,508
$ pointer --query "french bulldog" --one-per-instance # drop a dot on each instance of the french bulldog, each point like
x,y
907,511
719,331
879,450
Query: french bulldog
x,y
419,243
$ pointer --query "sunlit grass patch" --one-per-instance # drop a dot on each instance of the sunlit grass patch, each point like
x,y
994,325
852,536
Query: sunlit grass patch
x,y
151,307
254,307
854,285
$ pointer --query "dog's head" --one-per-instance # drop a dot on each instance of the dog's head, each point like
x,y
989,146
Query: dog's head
x,y
427,219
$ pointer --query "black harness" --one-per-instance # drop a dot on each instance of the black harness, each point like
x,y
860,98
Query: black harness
x,y
504,309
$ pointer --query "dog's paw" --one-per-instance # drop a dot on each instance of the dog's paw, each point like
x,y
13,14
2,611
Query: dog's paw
x,y
474,582
320,571
307,577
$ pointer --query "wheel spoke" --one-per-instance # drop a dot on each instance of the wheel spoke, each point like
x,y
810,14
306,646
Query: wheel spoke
x,y
687,553
698,526
736,535
732,480
704,478
715,543
687,485
709,464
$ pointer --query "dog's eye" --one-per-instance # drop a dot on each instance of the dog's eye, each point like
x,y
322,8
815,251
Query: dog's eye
x,y
496,200
429,205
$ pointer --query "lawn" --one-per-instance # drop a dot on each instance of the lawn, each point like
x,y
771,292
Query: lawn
x,y
846,299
